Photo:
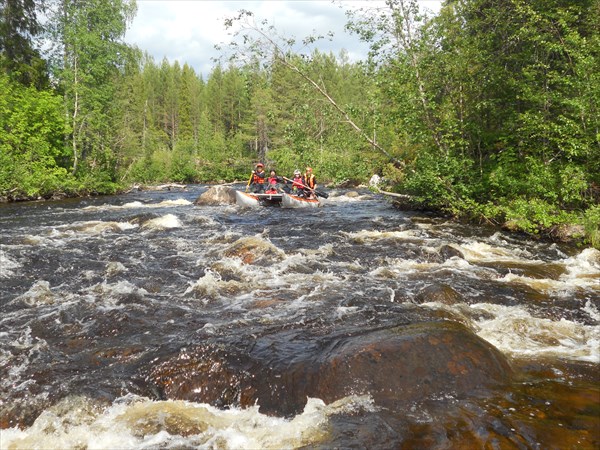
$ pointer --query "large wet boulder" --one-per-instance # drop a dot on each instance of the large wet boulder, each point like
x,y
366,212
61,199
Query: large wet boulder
x,y
208,374
413,363
217,195
396,366
568,233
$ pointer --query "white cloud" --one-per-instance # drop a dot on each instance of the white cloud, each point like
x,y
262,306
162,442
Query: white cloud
x,y
187,31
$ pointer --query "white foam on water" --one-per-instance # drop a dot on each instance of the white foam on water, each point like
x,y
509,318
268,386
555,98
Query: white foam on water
x,y
8,265
109,294
99,227
481,252
515,331
592,311
88,228
498,238
548,286
320,252
123,226
30,239
176,202
342,311
425,226
165,222
211,285
584,266
372,235
38,294
227,265
137,423
398,267
17,363
254,259
113,268
243,282
558,251
138,205
345,198
206,221
582,272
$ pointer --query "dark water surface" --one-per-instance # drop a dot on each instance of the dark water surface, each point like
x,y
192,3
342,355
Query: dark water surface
x,y
145,321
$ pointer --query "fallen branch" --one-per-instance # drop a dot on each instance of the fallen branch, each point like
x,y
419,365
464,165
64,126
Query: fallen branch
x,y
391,194
280,53
169,186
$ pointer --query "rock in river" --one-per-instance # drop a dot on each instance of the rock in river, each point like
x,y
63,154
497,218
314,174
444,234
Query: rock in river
x,y
217,195
396,366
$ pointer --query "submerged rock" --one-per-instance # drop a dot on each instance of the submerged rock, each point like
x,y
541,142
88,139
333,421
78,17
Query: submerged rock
x,y
441,293
254,250
449,251
395,366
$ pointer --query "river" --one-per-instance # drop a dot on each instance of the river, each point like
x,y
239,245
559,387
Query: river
x,y
146,321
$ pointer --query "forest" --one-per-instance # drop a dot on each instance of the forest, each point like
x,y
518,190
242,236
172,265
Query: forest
x,y
487,111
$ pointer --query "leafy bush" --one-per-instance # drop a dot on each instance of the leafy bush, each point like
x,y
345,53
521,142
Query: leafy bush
x,y
533,215
591,223
97,183
32,128
152,168
182,167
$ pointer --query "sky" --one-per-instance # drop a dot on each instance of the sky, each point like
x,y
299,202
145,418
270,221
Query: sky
x,y
188,30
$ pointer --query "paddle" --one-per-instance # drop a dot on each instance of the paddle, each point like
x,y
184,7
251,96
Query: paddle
x,y
318,193
249,181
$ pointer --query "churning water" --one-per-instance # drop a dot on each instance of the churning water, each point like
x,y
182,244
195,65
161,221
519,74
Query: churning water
x,y
146,321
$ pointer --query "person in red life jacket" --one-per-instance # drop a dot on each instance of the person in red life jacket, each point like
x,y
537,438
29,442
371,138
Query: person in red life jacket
x,y
257,180
273,181
309,182
297,183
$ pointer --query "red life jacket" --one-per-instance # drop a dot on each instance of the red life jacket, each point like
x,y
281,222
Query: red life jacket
x,y
257,180
297,182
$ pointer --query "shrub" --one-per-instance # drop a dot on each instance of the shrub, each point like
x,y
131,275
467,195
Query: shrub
x,y
591,223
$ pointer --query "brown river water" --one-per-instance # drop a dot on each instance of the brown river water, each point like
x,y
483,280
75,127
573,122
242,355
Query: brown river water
x,y
144,321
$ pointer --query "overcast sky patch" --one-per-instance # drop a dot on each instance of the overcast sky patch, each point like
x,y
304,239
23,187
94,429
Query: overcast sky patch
x,y
187,31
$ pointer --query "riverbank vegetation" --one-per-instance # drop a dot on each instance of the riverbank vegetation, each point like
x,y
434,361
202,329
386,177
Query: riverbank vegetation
x,y
486,111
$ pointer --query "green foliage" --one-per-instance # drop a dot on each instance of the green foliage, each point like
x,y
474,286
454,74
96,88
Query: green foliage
x,y
155,167
182,167
573,182
494,103
32,127
339,166
441,183
492,108
87,54
533,215
591,223
19,30
96,183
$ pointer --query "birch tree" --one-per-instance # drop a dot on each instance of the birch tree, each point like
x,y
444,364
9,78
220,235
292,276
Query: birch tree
x,y
87,53
262,41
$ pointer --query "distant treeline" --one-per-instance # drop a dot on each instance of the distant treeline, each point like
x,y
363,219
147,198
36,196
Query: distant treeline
x,y
487,111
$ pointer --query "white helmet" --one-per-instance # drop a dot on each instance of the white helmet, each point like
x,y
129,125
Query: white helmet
x,y
297,172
